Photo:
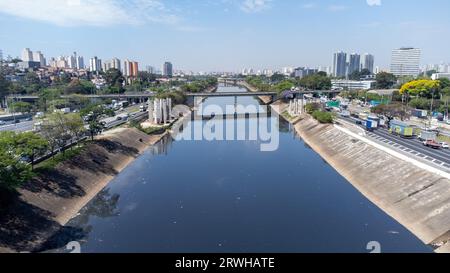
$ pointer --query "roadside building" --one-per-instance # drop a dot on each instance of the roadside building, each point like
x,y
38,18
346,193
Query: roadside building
x,y
352,85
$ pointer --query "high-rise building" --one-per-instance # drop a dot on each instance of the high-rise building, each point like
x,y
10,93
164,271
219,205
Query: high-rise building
x,y
354,63
130,68
339,64
95,64
368,62
302,72
134,69
72,61
115,63
405,61
167,69
27,55
80,62
150,69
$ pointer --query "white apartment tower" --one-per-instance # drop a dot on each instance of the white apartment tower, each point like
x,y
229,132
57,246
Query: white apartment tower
x,y
27,55
405,61
95,64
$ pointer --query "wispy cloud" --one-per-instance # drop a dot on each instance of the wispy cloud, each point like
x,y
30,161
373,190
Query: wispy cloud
x,y
252,6
336,8
90,12
309,5
374,2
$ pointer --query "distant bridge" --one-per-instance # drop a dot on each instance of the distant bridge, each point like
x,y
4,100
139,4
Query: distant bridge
x,y
142,97
105,96
259,93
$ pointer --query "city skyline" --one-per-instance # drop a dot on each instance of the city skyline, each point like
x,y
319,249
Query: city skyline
x,y
213,42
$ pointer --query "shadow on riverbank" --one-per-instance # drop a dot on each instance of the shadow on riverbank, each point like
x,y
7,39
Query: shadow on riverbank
x,y
39,211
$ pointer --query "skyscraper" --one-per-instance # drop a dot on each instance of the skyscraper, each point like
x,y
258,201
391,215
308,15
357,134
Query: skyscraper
x,y
168,69
405,61
339,64
354,64
112,64
72,61
80,62
130,68
27,55
368,62
95,64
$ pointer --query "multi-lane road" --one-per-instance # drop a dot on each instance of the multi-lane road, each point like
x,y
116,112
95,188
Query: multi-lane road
x,y
27,125
23,126
412,146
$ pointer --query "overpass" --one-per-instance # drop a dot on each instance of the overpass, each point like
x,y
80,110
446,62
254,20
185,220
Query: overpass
x,y
259,93
103,96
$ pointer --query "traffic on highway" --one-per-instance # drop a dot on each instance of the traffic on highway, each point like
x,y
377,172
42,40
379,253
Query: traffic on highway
x,y
122,115
411,145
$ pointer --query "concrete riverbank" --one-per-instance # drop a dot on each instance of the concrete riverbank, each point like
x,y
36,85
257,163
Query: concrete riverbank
x,y
51,199
417,197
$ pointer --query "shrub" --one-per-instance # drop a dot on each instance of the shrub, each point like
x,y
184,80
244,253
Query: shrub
x,y
311,107
323,117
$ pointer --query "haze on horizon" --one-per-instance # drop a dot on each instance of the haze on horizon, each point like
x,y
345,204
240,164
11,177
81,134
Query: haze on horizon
x,y
226,35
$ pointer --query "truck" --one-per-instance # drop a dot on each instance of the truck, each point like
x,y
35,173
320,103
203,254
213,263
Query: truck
x,y
401,128
63,110
432,144
418,113
427,135
372,122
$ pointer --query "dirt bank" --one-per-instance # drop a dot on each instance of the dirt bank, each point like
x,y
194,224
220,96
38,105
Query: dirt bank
x,y
46,203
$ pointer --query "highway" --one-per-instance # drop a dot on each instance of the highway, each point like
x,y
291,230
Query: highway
x,y
18,127
410,145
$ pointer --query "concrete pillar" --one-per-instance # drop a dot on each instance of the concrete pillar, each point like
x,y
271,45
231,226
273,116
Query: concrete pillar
x,y
150,110
164,112
170,108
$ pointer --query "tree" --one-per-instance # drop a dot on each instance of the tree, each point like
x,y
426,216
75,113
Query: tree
x,y
114,78
61,129
47,95
13,170
284,85
392,111
385,80
75,125
30,145
77,86
318,81
357,75
277,77
4,86
444,83
421,88
20,107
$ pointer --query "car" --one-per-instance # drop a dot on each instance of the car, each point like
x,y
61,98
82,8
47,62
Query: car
x,y
2,122
444,145
28,119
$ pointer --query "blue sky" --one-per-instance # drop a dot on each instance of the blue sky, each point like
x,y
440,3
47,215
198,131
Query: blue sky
x,y
206,35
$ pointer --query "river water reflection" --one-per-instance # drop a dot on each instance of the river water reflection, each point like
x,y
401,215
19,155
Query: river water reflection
x,y
228,196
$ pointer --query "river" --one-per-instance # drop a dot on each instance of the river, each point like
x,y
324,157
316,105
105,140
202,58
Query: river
x,y
229,196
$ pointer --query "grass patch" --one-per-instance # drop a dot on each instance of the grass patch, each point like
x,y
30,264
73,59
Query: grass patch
x,y
287,116
154,130
442,138
52,162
